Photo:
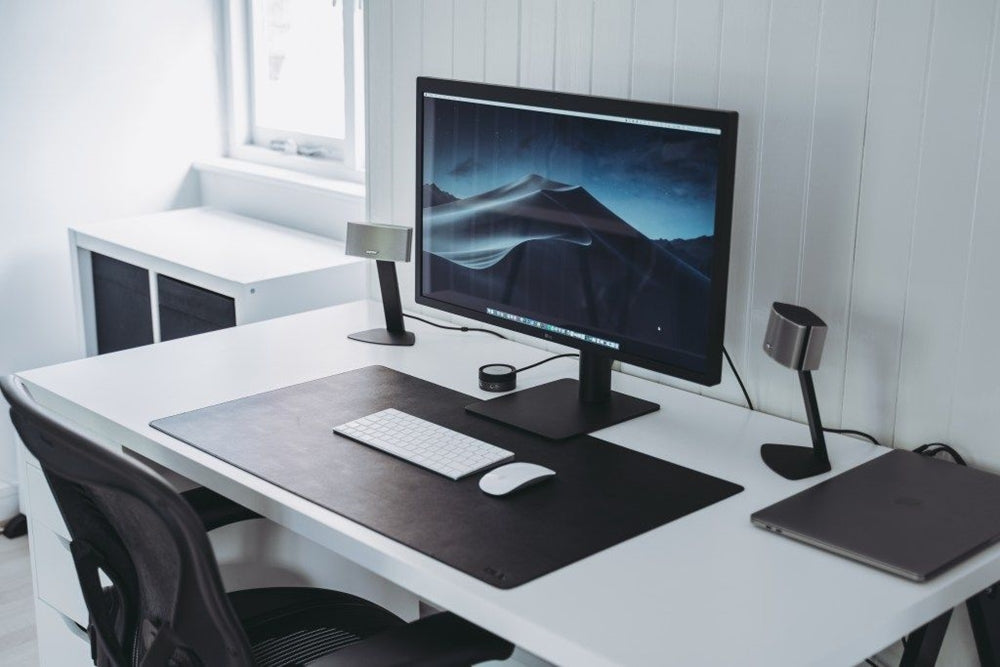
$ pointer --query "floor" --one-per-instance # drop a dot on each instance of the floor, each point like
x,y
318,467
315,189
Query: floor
x,y
18,646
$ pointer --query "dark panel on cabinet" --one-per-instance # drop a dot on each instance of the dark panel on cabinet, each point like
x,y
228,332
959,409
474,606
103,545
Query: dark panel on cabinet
x,y
186,310
121,304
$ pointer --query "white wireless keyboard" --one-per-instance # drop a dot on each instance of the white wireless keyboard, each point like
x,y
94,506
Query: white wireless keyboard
x,y
424,443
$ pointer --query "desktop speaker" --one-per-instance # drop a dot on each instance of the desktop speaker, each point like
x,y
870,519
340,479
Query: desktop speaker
x,y
794,337
386,244
389,243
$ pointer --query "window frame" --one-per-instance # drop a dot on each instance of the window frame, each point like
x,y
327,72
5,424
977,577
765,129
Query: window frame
x,y
245,141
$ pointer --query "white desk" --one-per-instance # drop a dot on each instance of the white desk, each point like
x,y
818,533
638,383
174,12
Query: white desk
x,y
706,589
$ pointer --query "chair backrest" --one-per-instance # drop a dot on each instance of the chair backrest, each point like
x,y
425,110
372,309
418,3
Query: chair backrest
x,y
166,604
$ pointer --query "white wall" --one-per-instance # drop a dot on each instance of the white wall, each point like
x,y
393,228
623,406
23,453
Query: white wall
x,y
869,158
103,107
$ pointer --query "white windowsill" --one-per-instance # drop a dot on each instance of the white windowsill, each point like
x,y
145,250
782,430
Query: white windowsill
x,y
276,175
316,204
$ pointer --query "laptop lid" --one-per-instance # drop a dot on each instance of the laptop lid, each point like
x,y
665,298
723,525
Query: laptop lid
x,y
908,514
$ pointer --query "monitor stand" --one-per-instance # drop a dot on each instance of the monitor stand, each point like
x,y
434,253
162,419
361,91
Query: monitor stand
x,y
564,408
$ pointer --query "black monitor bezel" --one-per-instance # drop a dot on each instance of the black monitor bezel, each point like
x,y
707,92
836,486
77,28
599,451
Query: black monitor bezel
x,y
725,121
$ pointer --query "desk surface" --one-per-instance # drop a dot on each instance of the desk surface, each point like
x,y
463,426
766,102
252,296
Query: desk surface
x,y
706,589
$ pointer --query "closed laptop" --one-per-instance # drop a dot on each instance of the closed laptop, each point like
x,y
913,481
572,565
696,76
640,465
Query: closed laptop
x,y
908,514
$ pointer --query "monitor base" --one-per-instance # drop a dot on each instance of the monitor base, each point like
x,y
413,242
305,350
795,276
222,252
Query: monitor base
x,y
384,337
555,411
793,461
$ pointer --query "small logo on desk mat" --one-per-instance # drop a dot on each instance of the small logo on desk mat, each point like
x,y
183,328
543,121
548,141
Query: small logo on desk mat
x,y
496,574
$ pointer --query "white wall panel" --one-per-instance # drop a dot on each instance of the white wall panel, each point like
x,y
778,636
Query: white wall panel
x,y
538,43
789,89
611,60
826,254
407,63
886,208
502,41
653,49
975,419
743,66
574,41
437,37
379,90
470,33
696,53
952,131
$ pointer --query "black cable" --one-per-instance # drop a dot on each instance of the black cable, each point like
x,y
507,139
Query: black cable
x,y
871,662
847,431
746,395
935,448
738,378
543,361
441,326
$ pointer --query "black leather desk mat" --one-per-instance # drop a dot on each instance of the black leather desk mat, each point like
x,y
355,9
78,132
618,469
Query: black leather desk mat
x,y
601,495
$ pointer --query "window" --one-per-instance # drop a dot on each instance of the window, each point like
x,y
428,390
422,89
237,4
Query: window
x,y
296,96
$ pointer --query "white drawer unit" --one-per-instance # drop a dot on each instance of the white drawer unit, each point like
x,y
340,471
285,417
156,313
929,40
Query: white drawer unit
x,y
43,506
163,276
61,642
56,582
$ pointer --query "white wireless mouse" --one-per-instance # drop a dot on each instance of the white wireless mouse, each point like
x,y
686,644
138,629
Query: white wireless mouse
x,y
513,476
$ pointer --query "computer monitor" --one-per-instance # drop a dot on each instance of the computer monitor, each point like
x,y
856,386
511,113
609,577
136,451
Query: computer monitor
x,y
597,223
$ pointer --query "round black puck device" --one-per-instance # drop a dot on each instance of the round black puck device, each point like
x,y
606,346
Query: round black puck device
x,y
497,377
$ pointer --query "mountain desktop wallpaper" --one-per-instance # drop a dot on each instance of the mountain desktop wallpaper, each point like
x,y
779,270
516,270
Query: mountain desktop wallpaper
x,y
598,226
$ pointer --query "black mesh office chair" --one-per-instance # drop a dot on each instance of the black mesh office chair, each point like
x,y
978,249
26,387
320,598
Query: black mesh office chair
x,y
167,605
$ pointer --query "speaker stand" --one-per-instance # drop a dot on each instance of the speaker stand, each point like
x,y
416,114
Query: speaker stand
x,y
793,461
394,333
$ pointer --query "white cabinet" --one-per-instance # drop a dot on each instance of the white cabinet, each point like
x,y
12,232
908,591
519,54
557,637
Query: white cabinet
x,y
158,277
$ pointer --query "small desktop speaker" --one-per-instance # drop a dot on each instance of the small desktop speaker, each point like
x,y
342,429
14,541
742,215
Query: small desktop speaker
x,y
795,337
390,243
386,244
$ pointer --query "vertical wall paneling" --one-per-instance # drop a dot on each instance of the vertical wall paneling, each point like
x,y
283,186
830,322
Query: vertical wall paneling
x,y
790,88
696,52
379,87
886,209
838,128
742,67
653,49
574,41
437,37
502,41
538,36
407,58
611,58
468,53
941,228
974,419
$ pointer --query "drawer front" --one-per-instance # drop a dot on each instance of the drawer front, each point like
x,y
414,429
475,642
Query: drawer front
x,y
122,306
60,642
55,574
186,310
43,508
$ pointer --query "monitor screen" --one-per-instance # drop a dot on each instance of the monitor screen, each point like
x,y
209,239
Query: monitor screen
x,y
600,224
